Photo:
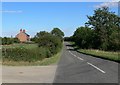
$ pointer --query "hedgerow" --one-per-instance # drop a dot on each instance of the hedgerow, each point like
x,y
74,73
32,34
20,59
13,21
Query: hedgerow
x,y
24,54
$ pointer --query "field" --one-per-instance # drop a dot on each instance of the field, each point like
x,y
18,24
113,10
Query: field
x,y
27,54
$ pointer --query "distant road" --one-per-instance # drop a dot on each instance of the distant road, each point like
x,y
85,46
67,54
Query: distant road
x,y
75,67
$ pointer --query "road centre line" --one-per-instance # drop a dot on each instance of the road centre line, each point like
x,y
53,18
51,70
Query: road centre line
x,y
96,67
75,56
80,58
88,63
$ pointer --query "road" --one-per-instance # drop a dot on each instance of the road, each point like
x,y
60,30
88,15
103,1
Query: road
x,y
75,67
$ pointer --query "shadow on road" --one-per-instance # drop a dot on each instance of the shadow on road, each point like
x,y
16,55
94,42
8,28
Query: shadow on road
x,y
72,47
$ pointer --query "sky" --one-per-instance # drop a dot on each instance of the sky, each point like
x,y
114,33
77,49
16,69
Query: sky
x,y
44,16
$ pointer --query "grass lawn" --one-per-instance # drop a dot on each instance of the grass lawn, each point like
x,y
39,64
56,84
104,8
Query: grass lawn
x,y
115,56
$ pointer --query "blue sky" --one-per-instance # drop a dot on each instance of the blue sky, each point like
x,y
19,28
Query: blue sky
x,y
40,16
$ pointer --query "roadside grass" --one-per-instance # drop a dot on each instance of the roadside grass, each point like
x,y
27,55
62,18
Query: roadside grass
x,y
47,61
114,56
109,55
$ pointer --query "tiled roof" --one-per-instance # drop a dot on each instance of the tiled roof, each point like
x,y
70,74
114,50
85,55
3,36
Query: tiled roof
x,y
27,34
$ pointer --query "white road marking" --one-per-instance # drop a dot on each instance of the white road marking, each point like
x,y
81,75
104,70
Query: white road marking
x,y
87,62
96,67
80,58
75,56
67,47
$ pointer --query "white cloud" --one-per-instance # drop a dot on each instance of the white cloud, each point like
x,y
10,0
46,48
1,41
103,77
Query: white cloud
x,y
113,3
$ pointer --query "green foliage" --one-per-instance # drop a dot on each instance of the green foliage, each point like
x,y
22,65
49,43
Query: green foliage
x,y
57,32
114,41
102,54
51,42
24,54
38,35
8,41
48,45
47,61
104,33
68,38
83,37
16,40
0,40
107,27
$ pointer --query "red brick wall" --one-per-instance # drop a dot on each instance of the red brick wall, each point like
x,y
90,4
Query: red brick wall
x,y
22,37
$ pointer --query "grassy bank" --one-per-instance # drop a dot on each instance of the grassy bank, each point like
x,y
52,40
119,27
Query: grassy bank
x,y
114,56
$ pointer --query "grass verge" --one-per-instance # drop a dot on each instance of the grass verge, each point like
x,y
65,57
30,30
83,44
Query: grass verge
x,y
114,56
47,61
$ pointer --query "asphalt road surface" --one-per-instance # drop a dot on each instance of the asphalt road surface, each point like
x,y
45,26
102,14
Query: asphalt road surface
x,y
75,67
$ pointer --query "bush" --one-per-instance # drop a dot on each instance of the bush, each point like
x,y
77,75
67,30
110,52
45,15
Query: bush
x,y
16,40
24,54
47,40
8,41
51,42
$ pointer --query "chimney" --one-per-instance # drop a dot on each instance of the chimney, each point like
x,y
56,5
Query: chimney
x,y
20,30
23,31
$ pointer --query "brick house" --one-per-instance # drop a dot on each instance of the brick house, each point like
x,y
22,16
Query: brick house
x,y
23,36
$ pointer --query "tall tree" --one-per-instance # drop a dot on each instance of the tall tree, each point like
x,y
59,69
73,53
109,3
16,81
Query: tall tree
x,y
38,35
106,25
57,32
83,37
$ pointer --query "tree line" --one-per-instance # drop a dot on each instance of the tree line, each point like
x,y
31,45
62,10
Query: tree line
x,y
8,40
102,31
